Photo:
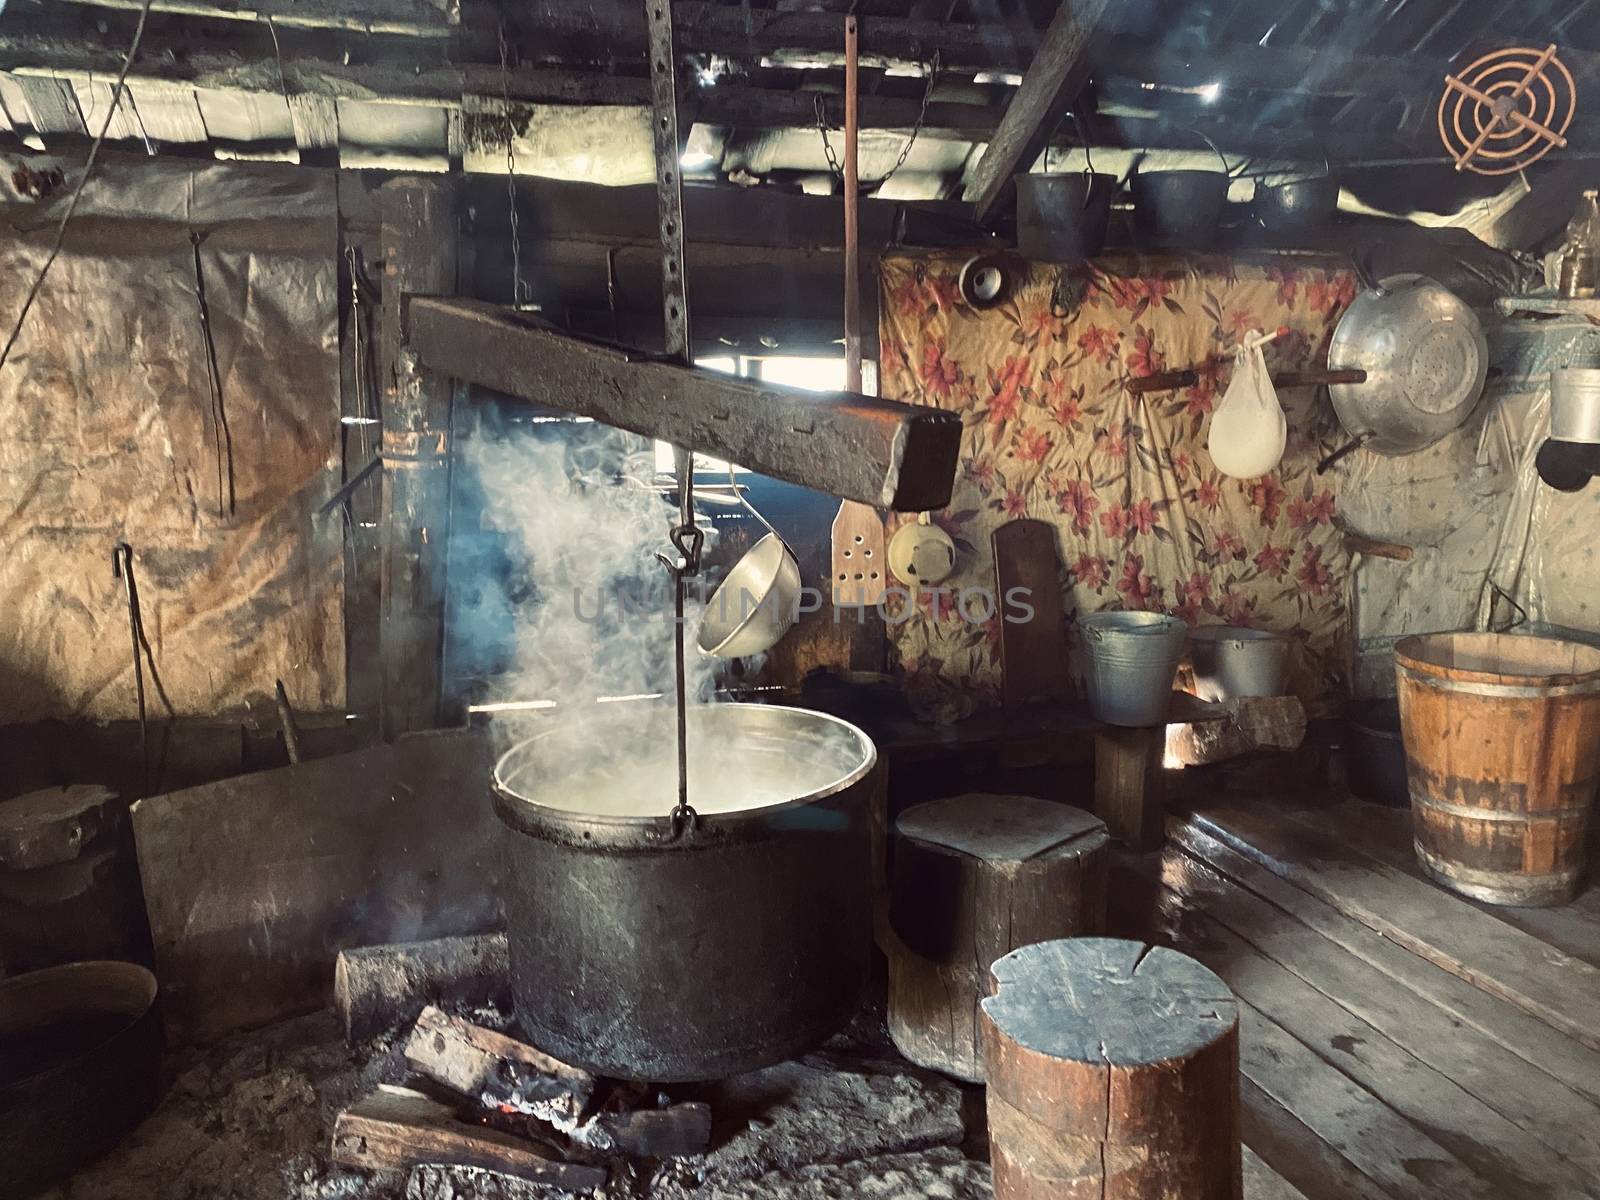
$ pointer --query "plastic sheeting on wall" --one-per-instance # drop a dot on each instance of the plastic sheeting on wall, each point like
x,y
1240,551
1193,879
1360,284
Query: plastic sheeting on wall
x,y
112,436
1493,546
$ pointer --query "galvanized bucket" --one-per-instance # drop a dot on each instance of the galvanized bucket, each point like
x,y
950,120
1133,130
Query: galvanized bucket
x,y
1232,661
1130,660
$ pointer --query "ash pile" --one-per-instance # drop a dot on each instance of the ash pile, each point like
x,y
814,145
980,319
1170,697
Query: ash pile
x,y
428,1093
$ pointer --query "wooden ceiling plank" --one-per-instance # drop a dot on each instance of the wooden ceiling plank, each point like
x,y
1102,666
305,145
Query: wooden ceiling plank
x,y
1053,80
412,17
316,128
54,105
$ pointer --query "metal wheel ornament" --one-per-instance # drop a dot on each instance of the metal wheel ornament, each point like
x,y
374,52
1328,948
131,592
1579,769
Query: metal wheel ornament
x,y
1507,109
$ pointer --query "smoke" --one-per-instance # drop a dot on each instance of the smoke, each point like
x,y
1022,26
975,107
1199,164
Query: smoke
x,y
586,604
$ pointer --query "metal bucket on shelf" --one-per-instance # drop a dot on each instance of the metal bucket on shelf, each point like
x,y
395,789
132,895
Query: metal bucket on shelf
x,y
1130,660
1502,740
1232,661
1061,217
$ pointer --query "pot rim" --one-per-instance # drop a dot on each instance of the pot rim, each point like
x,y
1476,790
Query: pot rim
x,y
524,812
109,986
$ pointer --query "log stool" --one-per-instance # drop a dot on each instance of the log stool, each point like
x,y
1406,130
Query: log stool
x,y
1113,1072
976,876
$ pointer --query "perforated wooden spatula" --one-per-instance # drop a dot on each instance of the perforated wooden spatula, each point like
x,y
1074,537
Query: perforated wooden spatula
x,y
859,565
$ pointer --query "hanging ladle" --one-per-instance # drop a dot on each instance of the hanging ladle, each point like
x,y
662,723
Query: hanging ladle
x,y
754,606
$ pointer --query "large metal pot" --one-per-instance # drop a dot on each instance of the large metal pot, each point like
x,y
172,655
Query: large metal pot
x,y
645,949
80,1065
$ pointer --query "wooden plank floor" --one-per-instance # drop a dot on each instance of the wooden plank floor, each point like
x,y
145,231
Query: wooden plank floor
x,y
1397,1041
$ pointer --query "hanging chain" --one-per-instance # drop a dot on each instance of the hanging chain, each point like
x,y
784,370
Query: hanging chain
x,y
819,104
519,296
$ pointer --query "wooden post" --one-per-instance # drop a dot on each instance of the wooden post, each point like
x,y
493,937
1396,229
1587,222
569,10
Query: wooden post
x,y
419,258
1057,74
1130,784
1113,1070
975,877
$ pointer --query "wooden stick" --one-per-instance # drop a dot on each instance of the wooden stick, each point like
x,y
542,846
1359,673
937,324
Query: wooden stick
x,y
1166,381
670,1132
1373,548
396,1128
377,988
496,1070
852,208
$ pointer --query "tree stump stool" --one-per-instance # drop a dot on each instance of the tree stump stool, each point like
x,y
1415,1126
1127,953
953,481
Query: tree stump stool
x,y
975,877
1113,1071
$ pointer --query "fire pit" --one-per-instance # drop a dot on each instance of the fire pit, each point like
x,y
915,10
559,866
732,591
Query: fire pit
x,y
652,947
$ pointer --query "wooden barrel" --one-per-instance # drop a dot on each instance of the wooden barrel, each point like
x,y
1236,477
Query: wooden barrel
x,y
1502,739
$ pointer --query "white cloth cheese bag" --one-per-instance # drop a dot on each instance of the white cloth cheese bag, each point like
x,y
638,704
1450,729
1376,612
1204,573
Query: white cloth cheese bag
x,y
1248,428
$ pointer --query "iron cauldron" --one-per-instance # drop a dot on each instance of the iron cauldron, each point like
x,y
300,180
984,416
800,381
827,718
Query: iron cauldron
x,y
647,949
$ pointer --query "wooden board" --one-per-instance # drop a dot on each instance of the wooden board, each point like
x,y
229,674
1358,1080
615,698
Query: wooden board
x,y
1294,1153
1261,1182
253,885
1059,69
1525,1036
1482,1138
860,571
1385,834
1394,1154
1563,1120
1033,653
395,1128
1520,969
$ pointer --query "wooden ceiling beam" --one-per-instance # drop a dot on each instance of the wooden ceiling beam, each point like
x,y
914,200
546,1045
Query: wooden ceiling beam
x,y
1052,83
434,18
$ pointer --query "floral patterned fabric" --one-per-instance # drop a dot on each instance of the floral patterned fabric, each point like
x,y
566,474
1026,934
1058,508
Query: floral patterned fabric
x,y
1145,519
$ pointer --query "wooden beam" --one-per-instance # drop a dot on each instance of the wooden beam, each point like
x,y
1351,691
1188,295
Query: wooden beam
x,y
857,447
741,31
1056,76
314,80
430,17
419,248
1130,785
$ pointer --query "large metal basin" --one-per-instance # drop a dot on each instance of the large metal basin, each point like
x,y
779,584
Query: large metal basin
x,y
645,950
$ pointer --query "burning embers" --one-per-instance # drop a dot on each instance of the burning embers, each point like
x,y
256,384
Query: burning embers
x,y
489,1101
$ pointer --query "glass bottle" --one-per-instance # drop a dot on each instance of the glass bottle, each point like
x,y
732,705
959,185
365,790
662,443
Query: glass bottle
x,y
1580,253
